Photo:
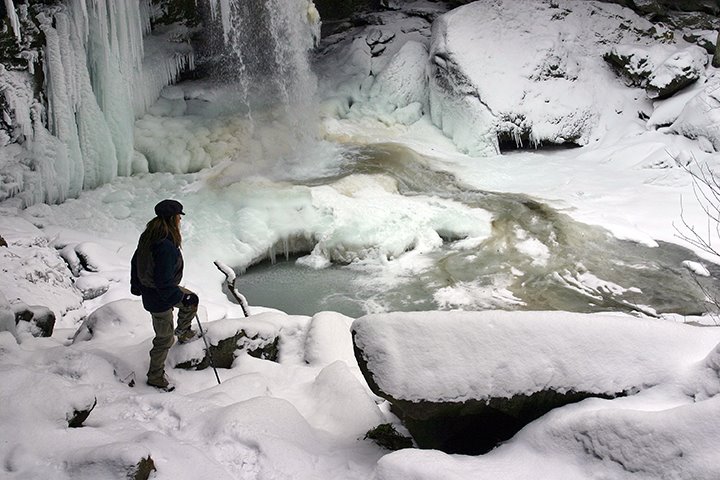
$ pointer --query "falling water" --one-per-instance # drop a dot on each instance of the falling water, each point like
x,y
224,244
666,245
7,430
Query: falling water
x,y
265,56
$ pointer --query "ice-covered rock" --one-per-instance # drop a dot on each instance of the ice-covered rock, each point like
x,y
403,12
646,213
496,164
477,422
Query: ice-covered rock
x,y
400,89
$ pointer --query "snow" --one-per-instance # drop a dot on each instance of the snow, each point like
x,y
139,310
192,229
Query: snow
x,y
306,415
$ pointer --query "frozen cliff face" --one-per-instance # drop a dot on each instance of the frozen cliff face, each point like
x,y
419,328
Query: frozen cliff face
x,y
75,130
526,72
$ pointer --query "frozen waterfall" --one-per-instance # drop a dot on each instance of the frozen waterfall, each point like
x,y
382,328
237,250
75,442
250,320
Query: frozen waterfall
x,y
97,80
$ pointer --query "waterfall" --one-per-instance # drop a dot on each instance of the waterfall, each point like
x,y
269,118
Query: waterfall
x,y
265,55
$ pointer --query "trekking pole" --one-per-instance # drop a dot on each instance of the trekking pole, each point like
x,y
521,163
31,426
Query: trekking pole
x,y
207,348
230,282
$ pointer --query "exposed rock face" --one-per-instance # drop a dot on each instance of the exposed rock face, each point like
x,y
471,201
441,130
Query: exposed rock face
x,y
338,9
662,70
462,382
76,419
41,319
476,427
143,469
473,426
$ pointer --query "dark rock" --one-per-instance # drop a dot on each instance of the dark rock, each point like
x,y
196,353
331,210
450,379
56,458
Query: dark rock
x,y
41,318
3,243
339,9
636,71
471,427
386,436
476,427
678,83
184,12
700,41
79,416
143,469
223,354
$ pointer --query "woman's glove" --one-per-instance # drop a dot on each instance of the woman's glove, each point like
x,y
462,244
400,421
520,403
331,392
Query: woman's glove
x,y
190,300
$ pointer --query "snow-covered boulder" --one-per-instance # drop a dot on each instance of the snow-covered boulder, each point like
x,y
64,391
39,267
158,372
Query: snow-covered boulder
x,y
37,320
34,272
636,63
227,338
677,72
700,119
462,381
525,72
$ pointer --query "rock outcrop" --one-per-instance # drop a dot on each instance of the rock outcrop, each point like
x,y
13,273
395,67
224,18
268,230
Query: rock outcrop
x,y
662,70
550,94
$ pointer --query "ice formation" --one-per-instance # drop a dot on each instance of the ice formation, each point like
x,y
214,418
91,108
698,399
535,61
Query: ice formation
x,y
13,17
97,79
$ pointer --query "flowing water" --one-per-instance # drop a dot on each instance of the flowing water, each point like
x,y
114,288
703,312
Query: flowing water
x,y
577,267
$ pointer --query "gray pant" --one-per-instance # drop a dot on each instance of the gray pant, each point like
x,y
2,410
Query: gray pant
x,y
165,336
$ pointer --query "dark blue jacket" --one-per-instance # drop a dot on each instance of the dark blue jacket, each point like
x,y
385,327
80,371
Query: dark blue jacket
x,y
156,276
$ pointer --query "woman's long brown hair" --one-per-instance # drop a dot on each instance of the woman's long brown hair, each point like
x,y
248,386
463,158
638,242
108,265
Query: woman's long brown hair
x,y
159,228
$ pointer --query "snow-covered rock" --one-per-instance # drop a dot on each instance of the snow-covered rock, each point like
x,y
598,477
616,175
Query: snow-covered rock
x,y
676,72
462,380
500,71
34,272
700,118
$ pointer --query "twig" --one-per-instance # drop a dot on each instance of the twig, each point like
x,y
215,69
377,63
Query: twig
x,y
230,282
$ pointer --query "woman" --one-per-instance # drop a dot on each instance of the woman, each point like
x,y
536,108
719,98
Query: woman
x,y
155,273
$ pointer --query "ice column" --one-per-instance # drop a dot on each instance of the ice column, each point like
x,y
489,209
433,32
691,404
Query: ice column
x,y
96,82
13,17
113,42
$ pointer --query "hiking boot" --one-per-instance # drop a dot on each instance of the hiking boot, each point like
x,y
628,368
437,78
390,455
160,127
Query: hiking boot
x,y
184,336
161,384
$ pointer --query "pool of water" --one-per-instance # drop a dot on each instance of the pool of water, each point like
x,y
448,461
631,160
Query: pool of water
x,y
536,258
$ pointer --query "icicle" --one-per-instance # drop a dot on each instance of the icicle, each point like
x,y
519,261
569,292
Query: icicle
x,y
145,9
16,90
13,17
213,8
